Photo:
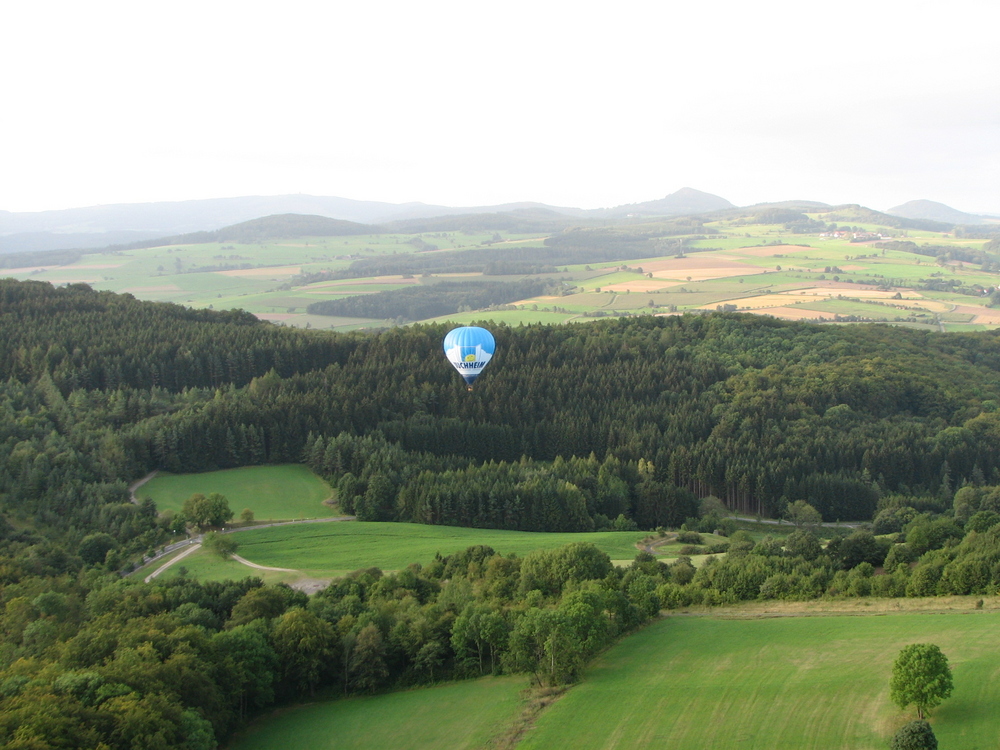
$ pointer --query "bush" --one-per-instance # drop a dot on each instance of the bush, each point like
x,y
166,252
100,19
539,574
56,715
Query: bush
x,y
689,537
916,735
689,549
95,547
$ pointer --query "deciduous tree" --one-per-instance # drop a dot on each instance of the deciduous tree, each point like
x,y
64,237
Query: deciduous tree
x,y
920,676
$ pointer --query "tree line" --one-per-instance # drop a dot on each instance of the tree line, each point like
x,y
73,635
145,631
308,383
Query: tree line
x,y
92,661
419,302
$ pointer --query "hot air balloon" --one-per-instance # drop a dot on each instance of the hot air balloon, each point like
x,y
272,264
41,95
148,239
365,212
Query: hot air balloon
x,y
469,349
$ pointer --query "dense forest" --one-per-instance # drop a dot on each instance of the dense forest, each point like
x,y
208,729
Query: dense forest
x,y
430,301
101,389
617,424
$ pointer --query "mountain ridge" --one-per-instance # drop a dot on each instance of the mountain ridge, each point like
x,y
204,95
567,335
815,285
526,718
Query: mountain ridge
x,y
131,224
100,226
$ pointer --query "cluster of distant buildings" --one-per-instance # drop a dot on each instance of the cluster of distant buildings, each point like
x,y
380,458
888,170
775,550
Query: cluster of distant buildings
x,y
856,236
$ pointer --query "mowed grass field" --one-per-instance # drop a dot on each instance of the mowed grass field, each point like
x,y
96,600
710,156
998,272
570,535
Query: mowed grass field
x,y
701,683
453,716
288,491
325,550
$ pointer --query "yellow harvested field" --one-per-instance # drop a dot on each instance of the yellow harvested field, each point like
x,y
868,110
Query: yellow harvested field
x,y
706,272
823,294
697,267
764,300
981,316
851,290
255,273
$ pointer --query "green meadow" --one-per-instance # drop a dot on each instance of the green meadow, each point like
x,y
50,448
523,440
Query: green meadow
x,y
690,683
699,683
324,550
456,716
288,491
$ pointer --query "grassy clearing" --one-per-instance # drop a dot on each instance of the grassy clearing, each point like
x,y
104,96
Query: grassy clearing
x,y
329,549
455,715
288,491
206,566
326,550
693,683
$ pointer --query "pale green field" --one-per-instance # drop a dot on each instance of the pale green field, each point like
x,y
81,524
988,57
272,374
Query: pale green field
x,y
289,491
510,317
456,716
700,683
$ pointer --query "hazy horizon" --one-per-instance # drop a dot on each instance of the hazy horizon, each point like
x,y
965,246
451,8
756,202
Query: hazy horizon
x,y
576,105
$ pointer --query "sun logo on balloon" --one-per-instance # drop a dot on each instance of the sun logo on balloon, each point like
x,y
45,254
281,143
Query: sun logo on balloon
x,y
470,357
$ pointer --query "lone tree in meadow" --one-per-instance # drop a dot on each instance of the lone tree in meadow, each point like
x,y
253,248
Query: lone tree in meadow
x,y
921,676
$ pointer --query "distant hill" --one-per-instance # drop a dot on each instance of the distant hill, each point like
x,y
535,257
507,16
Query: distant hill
x,y
179,217
685,201
851,213
524,220
924,209
266,228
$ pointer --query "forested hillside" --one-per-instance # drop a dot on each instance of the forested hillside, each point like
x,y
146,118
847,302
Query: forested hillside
x,y
613,424
102,389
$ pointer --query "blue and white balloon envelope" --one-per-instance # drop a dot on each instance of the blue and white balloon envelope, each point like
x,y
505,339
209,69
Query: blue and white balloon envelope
x,y
469,349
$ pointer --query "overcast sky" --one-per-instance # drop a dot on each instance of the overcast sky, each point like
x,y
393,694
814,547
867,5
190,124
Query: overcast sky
x,y
470,103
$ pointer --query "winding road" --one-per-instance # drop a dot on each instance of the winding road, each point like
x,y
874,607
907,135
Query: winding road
x,y
195,542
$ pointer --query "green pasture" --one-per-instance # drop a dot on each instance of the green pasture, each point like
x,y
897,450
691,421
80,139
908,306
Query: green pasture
x,y
206,566
325,550
456,716
614,276
342,547
287,491
699,683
